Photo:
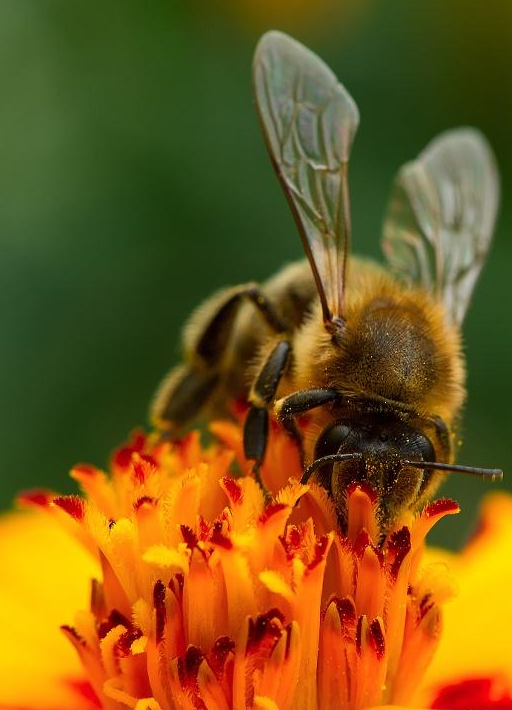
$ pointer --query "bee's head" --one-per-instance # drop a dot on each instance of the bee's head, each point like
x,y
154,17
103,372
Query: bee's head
x,y
374,448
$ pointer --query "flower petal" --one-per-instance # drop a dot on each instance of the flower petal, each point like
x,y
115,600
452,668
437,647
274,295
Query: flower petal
x,y
38,667
475,643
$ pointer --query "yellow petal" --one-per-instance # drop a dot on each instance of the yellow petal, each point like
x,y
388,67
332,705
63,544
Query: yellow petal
x,y
478,622
37,594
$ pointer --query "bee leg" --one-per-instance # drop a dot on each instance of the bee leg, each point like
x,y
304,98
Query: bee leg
x,y
255,442
182,396
261,396
187,389
211,344
302,401
288,408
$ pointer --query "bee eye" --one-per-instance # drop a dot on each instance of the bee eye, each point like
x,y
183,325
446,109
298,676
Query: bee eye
x,y
331,439
425,448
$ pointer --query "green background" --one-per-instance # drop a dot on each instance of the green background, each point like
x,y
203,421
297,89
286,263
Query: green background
x,y
134,182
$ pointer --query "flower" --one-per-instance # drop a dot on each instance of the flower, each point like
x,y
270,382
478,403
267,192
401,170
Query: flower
x,y
204,597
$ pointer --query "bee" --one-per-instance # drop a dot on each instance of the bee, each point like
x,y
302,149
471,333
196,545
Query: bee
x,y
372,354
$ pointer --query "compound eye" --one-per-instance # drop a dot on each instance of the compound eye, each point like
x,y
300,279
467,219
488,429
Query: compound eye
x,y
425,448
331,439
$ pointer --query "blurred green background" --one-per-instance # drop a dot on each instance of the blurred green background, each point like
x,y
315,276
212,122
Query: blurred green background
x,y
134,182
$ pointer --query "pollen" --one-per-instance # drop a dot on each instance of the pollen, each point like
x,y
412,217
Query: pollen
x,y
211,598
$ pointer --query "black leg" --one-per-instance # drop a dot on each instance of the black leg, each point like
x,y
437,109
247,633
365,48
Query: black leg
x,y
187,389
302,401
212,342
255,443
261,396
296,404
263,390
256,434
186,393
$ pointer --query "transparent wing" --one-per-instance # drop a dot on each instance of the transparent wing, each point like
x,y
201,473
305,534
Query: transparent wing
x,y
441,216
309,122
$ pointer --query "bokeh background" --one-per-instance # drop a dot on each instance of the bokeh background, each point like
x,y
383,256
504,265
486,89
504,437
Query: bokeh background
x,y
134,182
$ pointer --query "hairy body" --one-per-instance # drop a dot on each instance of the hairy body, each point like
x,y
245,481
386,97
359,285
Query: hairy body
x,y
371,355
396,359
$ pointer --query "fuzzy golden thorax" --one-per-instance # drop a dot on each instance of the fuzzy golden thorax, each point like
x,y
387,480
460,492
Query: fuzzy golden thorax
x,y
396,345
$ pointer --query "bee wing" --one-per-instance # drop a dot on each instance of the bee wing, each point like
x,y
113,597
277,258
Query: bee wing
x,y
441,216
309,122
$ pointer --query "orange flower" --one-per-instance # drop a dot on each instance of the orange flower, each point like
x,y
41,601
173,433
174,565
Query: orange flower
x,y
206,599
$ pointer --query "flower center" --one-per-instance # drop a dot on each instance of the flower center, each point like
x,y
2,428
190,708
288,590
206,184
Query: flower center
x,y
211,600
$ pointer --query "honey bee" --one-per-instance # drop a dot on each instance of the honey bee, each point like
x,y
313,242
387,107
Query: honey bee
x,y
372,354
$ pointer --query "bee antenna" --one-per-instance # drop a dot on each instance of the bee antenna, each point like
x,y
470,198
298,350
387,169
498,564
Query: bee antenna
x,y
332,458
494,474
